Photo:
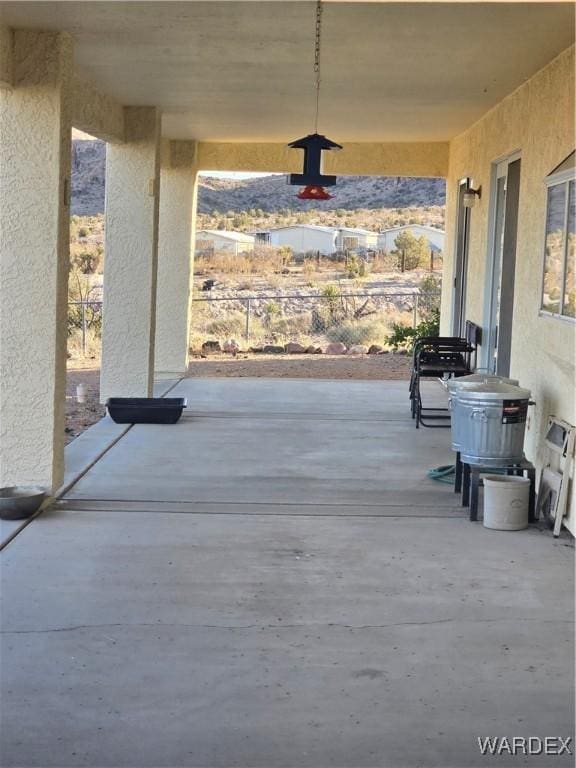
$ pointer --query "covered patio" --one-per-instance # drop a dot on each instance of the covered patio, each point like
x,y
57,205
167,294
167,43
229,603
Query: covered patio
x,y
274,581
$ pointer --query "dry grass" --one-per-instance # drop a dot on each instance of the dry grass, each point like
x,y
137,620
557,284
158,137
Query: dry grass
x,y
93,346
308,328
263,261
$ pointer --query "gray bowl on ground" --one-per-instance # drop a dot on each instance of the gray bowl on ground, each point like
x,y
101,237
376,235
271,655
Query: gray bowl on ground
x,y
20,501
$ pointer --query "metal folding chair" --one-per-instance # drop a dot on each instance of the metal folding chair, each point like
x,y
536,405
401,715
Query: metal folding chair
x,y
436,358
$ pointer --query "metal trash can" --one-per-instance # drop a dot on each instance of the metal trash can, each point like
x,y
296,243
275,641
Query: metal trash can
x,y
461,383
490,423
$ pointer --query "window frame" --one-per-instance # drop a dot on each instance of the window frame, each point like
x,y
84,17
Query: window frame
x,y
562,178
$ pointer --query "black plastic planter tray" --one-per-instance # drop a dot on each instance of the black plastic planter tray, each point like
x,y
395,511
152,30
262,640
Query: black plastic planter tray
x,y
145,410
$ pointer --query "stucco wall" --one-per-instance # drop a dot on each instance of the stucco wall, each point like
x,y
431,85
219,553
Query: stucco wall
x,y
388,159
132,205
6,52
175,256
34,244
537,120
95,112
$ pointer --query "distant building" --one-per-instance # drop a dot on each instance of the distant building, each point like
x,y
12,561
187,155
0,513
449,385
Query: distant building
x,y
223,240
434,236
306,238
302,238
351,239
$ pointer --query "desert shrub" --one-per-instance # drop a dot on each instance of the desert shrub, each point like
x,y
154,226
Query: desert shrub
x,y
319,321
355,267
309,267
271,310
264,260
352,266
431,326
93,315
285,254
290,328
352,332
415,250
233,324
88,260
91,348
331,303
403,336
385,262
430,284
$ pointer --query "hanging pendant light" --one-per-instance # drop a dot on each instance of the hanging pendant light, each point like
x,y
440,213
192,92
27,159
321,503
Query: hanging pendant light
x,y
314,144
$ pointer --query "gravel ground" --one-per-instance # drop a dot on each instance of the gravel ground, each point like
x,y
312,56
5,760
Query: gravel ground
x,y
79,416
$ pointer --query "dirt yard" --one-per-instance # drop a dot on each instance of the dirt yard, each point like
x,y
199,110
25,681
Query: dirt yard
x,y
79,416
389,366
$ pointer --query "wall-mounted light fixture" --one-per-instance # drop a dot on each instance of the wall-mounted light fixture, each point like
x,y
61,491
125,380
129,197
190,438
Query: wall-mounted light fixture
x,y
470,195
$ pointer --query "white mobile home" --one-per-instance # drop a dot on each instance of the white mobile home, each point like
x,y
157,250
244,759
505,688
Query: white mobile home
x,y
222,240
303,238
434,236
349,239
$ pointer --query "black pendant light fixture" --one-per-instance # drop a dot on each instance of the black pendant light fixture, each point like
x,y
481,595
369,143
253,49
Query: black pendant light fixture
x,y
313,145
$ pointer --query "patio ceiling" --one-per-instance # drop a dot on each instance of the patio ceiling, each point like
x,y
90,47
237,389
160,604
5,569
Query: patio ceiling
x,y
242,71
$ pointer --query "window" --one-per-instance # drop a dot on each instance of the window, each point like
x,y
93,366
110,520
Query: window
x,y
350,243
559,285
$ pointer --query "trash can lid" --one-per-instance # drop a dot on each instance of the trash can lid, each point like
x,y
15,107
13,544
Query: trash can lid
x,y
465,382
494,391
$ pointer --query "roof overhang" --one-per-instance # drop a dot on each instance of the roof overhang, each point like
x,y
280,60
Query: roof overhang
x,y
242,71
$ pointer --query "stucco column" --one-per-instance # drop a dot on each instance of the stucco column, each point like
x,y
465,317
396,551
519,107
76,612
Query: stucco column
x,y
131,257
178,185
34,243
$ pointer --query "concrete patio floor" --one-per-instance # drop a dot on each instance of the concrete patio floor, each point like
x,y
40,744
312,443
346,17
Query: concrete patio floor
x,y
275,583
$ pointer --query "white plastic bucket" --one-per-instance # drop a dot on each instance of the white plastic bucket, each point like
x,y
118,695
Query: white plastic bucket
x,y
81,393
506,502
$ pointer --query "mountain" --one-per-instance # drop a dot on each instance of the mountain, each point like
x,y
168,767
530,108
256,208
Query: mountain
x,y
269,193
272,193
88,174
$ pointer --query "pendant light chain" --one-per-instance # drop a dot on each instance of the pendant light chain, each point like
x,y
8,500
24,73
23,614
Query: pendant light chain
x,y
313,145
317,59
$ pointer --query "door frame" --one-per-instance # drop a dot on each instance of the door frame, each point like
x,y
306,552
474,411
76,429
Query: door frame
x,y
460,270
488,348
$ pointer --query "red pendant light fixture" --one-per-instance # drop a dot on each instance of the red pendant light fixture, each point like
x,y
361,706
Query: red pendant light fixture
x,y
313,145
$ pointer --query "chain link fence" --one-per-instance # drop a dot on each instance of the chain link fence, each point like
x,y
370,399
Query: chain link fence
x,y
306,320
